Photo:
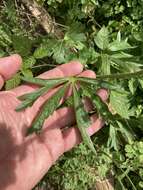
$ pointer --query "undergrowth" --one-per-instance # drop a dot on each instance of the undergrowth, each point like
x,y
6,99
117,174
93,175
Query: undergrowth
x,y
106,36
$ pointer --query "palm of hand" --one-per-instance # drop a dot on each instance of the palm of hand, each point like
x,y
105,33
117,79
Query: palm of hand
x,y
20,154
30,157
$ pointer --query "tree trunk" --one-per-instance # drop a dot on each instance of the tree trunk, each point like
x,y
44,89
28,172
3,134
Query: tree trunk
x,y
43,17
107,184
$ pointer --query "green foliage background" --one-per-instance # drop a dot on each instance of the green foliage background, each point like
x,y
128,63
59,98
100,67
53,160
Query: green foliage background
x,y
107,37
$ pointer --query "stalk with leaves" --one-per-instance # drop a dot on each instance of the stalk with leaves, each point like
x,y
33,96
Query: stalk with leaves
x,y
91,32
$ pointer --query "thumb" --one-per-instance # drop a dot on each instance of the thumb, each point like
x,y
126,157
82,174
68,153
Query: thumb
x,y
8,67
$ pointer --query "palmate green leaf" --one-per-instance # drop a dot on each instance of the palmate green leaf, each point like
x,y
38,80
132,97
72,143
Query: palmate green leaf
x,y
47,109
82,118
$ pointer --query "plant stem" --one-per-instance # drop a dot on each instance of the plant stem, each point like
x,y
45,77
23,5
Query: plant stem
x,y
137,74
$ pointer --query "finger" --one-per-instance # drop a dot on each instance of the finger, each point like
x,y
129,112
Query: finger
x,y
72,135
9,66
1,82
31,113
88,73
69,69
103,93
87,102
88,106
61,118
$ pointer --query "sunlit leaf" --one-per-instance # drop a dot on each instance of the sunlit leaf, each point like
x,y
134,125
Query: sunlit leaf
x,y
120,104
82,118
102,38
118,46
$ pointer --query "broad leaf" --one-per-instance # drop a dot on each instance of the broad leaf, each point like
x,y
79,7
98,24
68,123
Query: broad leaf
x,y
101,39
83,120
118,46
47,109
120,103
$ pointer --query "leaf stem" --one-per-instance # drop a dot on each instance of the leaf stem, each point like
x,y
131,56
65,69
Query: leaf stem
x,y
137,74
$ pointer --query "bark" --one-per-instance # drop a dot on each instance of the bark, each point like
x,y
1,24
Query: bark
x,y
42,16
107,184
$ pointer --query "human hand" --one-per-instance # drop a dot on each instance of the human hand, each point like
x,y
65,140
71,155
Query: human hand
x,y
25,160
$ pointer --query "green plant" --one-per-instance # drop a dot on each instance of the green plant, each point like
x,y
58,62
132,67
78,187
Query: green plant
x,y
88,88
87,85
106,37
